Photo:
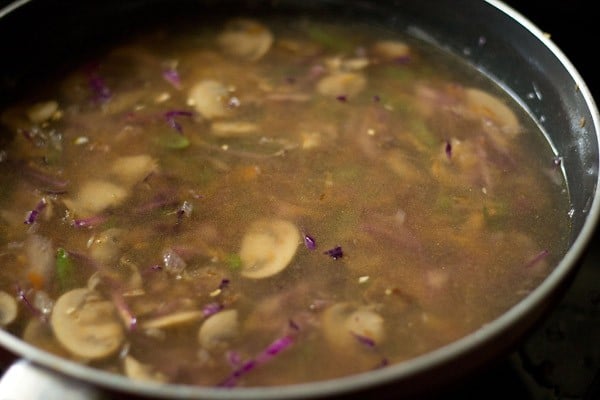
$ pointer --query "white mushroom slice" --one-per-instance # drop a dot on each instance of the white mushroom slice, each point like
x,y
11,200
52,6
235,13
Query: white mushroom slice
x,y
492,108
268,247
209,97
246,39
96,196
342,84
171,320
219,329
105,248
8,309
391,49
133,169
365,323
141,372
39,334
233,129
42,112
345,325
86,324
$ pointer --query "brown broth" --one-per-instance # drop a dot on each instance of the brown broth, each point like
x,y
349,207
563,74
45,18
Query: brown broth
x,y
444,197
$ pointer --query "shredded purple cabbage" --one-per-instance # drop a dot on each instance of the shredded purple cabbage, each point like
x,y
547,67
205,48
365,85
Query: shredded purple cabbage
x,y
341,98
448,149
89,222
335,252
34,310
172,76
172,122
537,258
265,356
310,242
100,91
364,340
33,214
376,98
211,308
124,311
224,283
402,60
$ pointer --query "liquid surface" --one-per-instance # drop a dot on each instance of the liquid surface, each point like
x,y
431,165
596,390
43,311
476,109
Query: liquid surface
x,y
269,202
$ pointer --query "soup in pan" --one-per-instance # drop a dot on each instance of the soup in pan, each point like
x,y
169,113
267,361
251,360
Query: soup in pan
x,y
269,202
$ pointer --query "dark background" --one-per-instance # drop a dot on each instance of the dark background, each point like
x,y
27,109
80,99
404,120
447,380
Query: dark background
x,y
560,359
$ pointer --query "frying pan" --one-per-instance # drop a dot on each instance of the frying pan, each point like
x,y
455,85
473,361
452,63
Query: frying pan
x,y
39,38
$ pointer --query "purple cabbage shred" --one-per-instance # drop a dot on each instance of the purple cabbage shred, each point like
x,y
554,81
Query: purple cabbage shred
x,y
448,149
89,222
172,76
211,308
172,122
33,214
101,92
341,98
265,356
364,340
310,242
224,283
537,258
335,252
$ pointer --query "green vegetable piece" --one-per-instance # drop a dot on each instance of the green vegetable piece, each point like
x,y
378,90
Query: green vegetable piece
x,y
495,216
234,261
174,141
328,39
64,268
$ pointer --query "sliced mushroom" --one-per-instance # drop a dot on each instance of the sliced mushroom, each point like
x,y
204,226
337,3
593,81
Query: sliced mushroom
x,y
171,320
106,247
246,39
39,334
209,98
268,247
96,196
342,84
492,108
345,325
391,49
86,324
141,372
41,112
219,329
8,309
233,129
133,169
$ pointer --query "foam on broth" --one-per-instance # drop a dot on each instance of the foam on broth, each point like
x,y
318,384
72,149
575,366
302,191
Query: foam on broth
x,y
270,202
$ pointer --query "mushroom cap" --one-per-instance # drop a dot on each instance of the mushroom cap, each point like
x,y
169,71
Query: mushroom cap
x,y
344,323
141,372
268,247
8,309
342,84
246,39
208,98
218,329
492,108
86,324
